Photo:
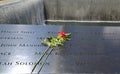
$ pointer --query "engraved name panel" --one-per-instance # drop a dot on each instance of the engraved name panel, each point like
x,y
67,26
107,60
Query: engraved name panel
x,y
92,49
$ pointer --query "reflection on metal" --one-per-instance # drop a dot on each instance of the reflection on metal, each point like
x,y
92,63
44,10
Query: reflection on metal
x,y
92,49
21,12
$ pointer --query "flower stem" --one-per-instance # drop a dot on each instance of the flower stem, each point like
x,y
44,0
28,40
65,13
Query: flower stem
x,y
45,60
39,59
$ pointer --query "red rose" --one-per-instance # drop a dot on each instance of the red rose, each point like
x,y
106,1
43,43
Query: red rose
x,y
61,34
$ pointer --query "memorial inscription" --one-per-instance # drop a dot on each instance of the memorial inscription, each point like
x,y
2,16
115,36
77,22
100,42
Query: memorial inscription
x,y
92,49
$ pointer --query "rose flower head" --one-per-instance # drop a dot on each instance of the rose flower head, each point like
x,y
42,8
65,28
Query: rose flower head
x,y
61,34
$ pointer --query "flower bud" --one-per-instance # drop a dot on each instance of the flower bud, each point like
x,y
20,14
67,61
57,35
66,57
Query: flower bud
x,y
62,34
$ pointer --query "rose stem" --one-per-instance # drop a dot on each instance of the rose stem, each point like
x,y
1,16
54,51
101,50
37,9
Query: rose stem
x,y
39,59
45,60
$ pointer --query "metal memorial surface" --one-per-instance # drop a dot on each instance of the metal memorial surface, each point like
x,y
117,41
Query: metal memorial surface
x,y
92,49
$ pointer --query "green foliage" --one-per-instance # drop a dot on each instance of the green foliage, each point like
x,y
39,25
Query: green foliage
x,y
56,41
